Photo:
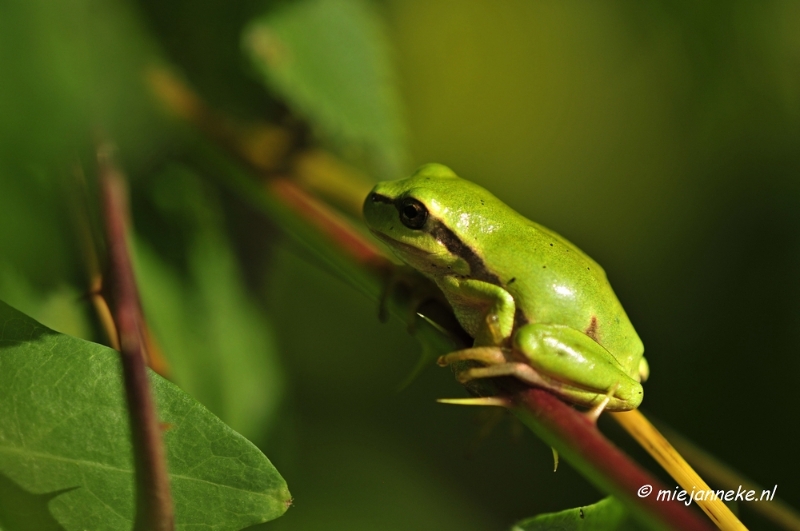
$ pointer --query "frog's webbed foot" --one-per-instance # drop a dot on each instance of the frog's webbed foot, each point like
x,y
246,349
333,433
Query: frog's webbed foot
x,y
519,370
496,364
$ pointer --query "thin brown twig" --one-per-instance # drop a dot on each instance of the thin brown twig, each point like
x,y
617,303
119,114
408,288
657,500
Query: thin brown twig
x,y
154,511
79,203
103,312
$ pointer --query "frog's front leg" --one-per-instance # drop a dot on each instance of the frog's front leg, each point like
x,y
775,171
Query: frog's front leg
x,y
485,310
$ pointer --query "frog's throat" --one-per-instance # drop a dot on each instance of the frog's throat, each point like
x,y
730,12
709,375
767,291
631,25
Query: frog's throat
x,y
454,246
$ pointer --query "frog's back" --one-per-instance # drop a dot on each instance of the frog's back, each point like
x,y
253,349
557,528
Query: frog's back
x,y
554,282
551,280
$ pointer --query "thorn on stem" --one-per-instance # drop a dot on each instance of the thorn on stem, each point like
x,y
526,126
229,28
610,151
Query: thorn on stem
x,y
478,401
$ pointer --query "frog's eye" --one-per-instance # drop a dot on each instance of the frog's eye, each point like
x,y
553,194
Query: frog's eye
x,y
413,214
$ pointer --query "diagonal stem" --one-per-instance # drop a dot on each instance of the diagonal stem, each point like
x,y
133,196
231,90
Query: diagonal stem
x,y
662,451
154,510
579,441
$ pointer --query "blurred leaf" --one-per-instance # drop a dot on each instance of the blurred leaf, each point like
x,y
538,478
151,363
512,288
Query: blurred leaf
x,y
34,224
69,68
64,425
329,60
217,340
606,515
357,479
203,41
61,308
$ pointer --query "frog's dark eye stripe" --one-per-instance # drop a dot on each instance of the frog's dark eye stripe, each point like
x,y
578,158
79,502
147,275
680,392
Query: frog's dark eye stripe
x,y
378,198
413,214
477,267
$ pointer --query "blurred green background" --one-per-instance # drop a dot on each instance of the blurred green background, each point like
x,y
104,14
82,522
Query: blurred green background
x,y
663,138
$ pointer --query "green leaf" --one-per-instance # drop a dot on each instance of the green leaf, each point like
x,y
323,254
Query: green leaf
x,y
329,60
23,511
606,515
64,427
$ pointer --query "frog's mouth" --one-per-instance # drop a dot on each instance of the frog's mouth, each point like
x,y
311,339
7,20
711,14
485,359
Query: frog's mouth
x,y
399,248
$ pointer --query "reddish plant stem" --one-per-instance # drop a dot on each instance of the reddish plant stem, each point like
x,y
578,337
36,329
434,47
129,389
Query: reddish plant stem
x,y
328,222
154,511
605,465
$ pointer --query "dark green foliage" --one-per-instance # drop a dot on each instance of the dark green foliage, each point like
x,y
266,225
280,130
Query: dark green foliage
x,y
328,60
64,439
605,515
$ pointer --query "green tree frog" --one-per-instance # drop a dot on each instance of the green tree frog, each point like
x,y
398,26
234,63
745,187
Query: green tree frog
x,y
537,307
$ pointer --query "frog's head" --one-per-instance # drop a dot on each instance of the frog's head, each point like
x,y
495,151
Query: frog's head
x,y
431,220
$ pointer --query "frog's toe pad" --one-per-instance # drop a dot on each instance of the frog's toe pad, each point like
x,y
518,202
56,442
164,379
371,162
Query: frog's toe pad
x,y
523,371
486,355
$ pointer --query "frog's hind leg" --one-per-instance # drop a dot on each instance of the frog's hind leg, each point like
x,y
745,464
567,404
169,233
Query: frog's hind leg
x,y
498,365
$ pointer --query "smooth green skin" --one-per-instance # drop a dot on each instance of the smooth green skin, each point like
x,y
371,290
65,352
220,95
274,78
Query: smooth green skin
x,y
536,305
